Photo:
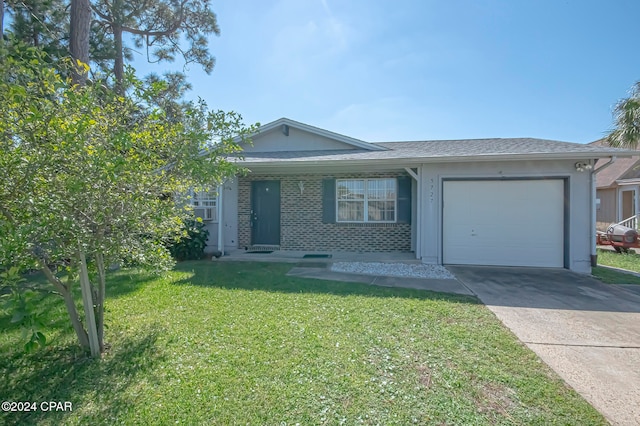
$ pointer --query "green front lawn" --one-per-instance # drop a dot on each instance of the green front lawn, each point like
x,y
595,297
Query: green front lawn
x,y
241,343
629,261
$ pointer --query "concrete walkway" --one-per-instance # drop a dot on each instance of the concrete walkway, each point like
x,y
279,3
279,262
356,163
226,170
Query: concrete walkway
x,y
587,331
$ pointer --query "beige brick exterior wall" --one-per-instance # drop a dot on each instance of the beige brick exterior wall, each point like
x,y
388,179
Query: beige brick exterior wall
x,y
301,226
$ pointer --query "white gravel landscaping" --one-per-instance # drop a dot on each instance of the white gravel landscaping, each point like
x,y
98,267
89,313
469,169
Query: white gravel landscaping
x,y
393,269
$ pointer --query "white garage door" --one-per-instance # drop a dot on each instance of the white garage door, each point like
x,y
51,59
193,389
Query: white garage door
x,y
504,223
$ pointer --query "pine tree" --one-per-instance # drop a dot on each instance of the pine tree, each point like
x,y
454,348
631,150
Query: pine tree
x,y
164,28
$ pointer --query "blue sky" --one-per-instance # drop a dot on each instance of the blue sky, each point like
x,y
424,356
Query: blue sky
x,y
422,69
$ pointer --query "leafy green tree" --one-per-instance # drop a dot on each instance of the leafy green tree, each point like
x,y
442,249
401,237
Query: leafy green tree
x,y
89,177
626,133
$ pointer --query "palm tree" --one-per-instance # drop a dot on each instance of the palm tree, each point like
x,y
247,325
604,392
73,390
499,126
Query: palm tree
x,y
626,133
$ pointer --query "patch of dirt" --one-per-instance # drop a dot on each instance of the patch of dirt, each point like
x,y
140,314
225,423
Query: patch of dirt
x,y
424,375
496,398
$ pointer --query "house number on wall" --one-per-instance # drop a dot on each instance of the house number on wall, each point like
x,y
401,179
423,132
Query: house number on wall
x,y
431,186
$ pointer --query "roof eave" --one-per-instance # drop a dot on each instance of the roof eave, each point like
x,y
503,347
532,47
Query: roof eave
x,y
624,182
426,160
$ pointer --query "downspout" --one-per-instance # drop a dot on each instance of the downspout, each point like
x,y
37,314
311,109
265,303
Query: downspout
x,y
594,253
220,220
418,219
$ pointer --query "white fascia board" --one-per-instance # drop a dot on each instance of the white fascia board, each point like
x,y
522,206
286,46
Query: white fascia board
x,y
626,182
405,162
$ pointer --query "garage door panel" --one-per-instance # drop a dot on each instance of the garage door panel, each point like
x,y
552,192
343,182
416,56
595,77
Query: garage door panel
x,y
510,223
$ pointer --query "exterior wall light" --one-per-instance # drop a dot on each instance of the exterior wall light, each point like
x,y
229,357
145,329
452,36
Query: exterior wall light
x,y
581,167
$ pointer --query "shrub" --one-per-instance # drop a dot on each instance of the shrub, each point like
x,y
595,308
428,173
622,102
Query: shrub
x,y
192,242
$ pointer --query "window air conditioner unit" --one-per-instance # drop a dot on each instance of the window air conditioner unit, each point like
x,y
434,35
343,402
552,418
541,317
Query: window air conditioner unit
x,y
205,213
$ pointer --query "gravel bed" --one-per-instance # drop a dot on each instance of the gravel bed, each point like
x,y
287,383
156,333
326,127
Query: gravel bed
x,y
393,269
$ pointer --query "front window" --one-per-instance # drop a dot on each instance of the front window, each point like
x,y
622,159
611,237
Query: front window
x,y
205,204
366,200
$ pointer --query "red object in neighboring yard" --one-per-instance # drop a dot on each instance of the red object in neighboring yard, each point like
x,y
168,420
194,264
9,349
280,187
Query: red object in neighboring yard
x,y
618,236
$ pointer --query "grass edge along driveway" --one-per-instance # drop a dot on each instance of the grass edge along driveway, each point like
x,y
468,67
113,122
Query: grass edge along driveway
x,y
241,343
627,261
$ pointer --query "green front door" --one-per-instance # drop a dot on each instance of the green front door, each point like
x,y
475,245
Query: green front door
x,y
265,212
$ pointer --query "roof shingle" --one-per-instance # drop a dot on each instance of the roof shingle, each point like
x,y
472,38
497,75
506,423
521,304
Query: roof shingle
x,y
622,168
442,149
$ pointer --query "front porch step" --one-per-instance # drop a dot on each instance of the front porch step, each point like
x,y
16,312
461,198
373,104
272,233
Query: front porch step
x,y
263,247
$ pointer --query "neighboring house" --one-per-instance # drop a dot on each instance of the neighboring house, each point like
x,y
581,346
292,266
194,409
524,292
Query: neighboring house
x,y
617,189
511,202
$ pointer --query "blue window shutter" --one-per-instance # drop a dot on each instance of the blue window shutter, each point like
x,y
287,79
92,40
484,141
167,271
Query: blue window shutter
x,y
404,199
328,201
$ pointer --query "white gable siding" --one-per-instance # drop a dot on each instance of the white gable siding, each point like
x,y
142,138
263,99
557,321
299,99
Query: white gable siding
x,y
298,140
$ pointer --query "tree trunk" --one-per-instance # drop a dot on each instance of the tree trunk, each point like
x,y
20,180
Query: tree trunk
x,y
70,304
79,38
1,22
87,302
81,333
100,299
118,65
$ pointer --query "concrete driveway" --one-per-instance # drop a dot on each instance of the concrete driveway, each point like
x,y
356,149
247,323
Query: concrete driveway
x,y
586,331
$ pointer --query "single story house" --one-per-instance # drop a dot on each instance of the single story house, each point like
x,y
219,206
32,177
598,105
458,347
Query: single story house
x,y
511,202
617,190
